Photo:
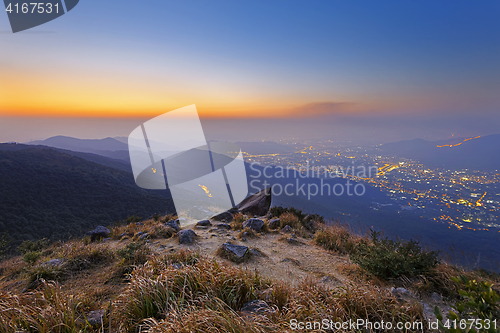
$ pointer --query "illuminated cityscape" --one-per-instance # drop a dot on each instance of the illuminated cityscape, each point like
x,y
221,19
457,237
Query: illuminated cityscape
x,y
464,199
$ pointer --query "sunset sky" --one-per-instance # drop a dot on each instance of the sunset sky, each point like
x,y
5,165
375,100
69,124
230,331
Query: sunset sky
x,y
254,59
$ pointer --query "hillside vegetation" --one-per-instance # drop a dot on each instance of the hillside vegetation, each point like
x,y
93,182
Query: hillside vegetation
x,y
47,193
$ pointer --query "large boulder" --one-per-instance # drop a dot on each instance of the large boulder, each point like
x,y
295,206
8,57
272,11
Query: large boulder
x,y
186,236
254,224
224,216
257,204
98,233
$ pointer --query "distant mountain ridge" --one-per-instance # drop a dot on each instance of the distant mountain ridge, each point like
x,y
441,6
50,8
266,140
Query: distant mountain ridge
x,y
108,147
482,153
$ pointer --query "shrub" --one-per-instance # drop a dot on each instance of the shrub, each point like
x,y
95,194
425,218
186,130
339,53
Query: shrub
x,y
386,258
277,211
30,246
479,306
238,220
31,257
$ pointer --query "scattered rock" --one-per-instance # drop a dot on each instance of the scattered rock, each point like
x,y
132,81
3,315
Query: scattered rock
x,y
286,229
98,233
256,307
254,224
223,226
257,204
139,223
435,297
293,241
96,318
225,216
174,224
106,239
186,236
53,263
401,294
144,235
200,227
204,223
274,224
235,253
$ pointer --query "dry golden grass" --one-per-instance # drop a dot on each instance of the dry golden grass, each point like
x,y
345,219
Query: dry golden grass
x,y
172,289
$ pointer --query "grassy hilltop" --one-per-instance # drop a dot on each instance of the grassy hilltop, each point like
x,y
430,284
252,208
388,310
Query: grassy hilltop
x,y
295,269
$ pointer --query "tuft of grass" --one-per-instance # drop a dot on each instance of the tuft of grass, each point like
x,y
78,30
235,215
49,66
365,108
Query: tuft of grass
x,y
179,289
247,233
337,238
43,311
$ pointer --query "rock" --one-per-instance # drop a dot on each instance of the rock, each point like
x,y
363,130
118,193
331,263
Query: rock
x,y
144,235
186,236
236,253
99,232
105,240
254,224
204,223
435,297
200,227
256,307
177,266
257,204
223,226
258,253
400,291
139,223
53,263
123,234
286,228
227,216
95,318
274,224
294,241
174,224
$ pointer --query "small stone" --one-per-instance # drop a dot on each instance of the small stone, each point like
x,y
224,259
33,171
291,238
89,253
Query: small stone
x,y
174,224
256,307
139,223
236,253
144,235
186,236
204,223
436,297
227,216
286,229
223,226
254,224
95,318
53,262
274,224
